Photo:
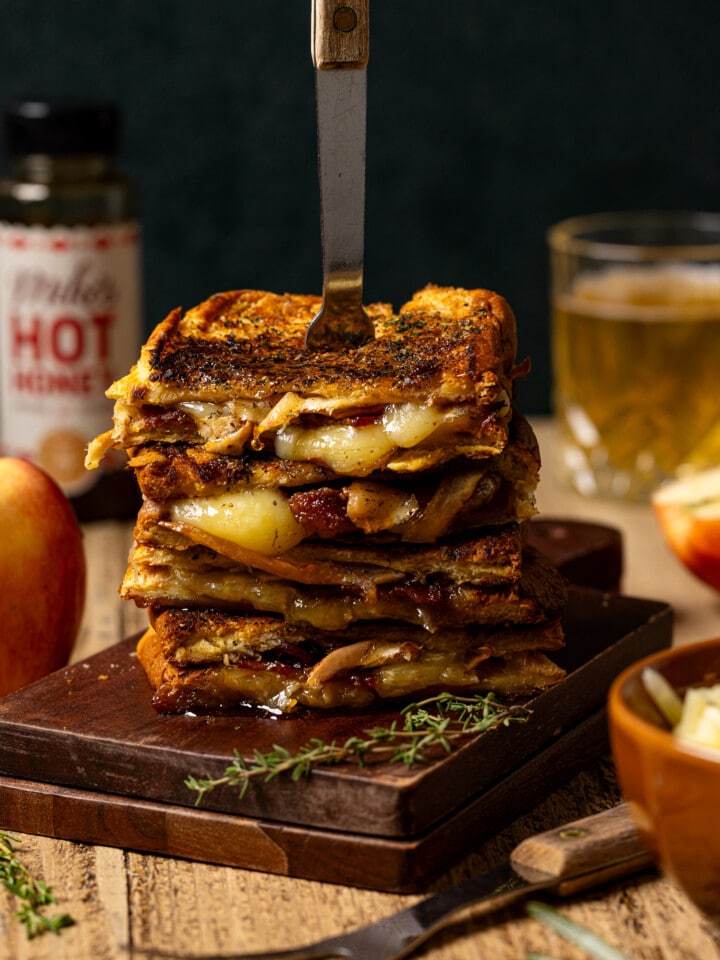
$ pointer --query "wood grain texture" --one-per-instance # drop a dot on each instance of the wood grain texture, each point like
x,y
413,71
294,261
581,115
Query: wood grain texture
x,y
341,34
576,849
159,904
330,856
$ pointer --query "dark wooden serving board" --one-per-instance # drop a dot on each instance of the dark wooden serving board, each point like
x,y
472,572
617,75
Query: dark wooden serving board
x,y
588,554
331,856
84,756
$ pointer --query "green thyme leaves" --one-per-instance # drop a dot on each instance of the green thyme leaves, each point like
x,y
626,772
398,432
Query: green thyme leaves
x,y
33,894
424,730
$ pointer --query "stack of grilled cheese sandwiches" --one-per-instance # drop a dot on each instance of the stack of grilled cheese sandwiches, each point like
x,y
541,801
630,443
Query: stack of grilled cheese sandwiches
x,y
326,529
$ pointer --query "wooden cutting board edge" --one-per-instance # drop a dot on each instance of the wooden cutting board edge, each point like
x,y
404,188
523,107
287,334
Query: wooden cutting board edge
x,y
379,863
387,802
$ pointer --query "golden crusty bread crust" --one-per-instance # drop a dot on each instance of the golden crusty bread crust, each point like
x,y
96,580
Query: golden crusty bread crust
x,y
233,371
490,556
224,686
171,471
446,344
176,471
202,578
216,636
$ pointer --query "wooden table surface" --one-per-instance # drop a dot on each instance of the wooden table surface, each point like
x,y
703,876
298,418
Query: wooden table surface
x,y
129,904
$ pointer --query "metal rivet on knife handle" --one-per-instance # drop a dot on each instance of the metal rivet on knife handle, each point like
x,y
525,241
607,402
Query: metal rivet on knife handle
x,y
345,19
577,847
340,53
340,34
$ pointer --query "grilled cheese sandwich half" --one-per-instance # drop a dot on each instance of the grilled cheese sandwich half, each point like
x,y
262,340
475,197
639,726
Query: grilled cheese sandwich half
x,y
284,502
215,661
330,528
232,374
199,577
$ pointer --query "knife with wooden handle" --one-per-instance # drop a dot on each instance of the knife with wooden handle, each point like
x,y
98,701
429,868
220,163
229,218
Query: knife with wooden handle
x,y
564,861
340,49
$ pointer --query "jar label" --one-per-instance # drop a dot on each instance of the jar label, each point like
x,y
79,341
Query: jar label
x,y
69,326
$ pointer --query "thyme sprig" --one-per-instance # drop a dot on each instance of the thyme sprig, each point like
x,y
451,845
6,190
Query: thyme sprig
x,y
423,730
34,894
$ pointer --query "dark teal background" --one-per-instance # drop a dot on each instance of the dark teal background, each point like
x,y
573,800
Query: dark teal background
x,y
487,121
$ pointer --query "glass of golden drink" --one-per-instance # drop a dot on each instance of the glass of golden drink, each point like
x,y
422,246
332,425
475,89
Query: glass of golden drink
x,y
636,348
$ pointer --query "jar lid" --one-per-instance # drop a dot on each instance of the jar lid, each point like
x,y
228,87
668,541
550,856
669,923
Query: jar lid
x,y
57,127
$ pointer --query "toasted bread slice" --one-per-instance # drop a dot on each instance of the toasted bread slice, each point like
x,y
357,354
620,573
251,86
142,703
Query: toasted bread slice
x,y
446,344
176,471
491,557
388,672
419,507
200,578
200,637
193,488
434,383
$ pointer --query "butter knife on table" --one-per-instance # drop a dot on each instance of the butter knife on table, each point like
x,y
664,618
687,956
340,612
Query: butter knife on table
x,y
563,861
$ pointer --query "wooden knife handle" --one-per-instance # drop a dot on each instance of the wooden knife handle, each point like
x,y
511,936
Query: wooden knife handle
x,y
340,34
608,839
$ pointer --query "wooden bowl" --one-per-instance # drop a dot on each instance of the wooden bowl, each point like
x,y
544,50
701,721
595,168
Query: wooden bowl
x,y
673,787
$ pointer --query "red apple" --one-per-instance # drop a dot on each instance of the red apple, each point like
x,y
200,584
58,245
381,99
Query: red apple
x,y
42,575
688,511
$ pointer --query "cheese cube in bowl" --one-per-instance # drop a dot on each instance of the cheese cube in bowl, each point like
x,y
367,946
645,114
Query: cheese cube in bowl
x,y
669,778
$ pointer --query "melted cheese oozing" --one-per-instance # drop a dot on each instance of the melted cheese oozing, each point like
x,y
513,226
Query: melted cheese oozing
x,y
199,409
259,520
410,423
357,450
694,717
253,410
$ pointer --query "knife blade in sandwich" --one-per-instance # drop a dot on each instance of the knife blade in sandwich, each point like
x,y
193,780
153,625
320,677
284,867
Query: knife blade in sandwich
x,y
340,48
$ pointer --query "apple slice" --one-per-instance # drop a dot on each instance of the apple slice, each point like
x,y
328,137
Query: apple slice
x,y
688,511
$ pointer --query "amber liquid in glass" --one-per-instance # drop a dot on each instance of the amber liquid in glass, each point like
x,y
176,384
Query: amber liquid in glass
x,y
637,375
